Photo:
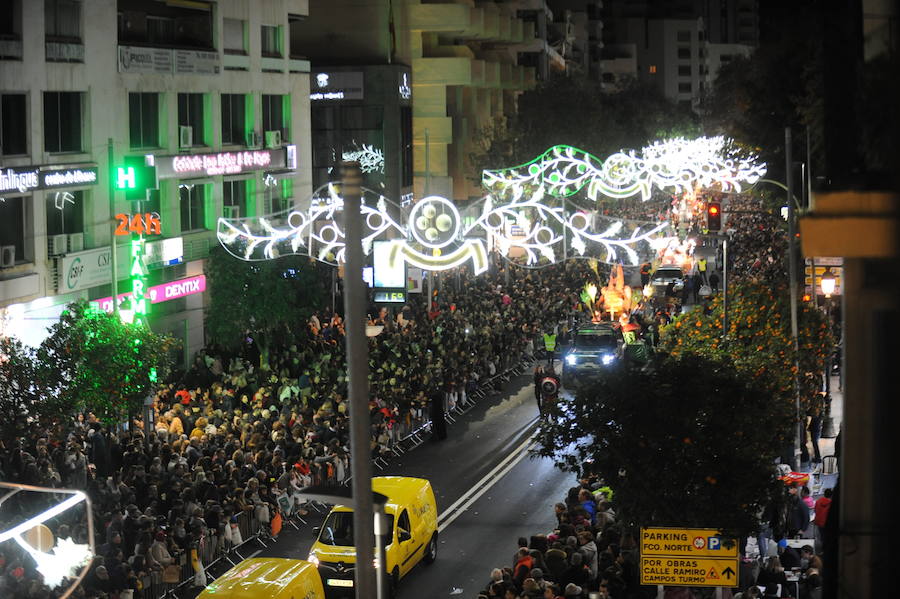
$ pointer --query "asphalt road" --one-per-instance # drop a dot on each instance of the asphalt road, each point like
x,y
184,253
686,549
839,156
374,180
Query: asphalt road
x,y
478,536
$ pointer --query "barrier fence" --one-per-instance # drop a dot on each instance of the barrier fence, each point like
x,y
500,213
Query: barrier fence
x,y
217,551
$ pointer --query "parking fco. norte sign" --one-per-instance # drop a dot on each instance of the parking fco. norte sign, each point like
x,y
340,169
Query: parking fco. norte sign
x,y
692,557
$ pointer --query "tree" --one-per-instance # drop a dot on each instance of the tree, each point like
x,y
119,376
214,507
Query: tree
x,y
758,341
576,111
20,395
265,300
688,442
93,361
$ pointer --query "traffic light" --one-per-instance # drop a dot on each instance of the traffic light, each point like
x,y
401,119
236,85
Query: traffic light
x,y
134,177
714,216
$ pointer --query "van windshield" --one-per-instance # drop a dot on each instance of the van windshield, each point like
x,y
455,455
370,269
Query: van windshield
x,y
595,340
338,530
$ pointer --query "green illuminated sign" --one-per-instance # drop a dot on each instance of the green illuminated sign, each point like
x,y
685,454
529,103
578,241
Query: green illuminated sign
x,y
134,177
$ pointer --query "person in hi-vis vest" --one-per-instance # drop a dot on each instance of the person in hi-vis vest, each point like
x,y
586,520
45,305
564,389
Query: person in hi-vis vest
x,y
550,346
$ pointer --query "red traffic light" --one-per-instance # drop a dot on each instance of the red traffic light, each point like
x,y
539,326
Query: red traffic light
x,y
713,216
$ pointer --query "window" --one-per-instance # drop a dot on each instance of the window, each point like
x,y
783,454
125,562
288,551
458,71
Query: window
x,y
193,211
62,20
190,114
684,70
12,225
63,121
271,41
233,119
403,524
13,125
160,30
11,20
652,69
143,119
406,141
233,36
684,52
725,58
234,198
684,88
683,36
65,212
272,113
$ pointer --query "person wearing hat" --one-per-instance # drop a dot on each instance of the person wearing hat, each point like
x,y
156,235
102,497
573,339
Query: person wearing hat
x,y
573,591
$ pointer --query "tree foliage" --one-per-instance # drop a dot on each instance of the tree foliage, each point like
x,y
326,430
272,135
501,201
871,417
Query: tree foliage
x,y
93,361
20,394
685,443
265,300
758,343
575,111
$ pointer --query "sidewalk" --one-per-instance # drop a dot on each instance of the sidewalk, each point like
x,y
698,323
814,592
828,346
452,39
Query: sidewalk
x,y
819,482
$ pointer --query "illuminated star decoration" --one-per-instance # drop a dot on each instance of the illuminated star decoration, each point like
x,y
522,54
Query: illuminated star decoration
x,y
65,560
60,198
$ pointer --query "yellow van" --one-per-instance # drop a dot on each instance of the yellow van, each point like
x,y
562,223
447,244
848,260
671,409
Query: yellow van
x,y
267,578
412,534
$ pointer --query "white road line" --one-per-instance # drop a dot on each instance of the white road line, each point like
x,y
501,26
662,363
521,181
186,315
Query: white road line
x,y
484,485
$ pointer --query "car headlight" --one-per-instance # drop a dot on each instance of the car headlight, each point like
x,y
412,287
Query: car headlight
x,y
607,359
571,360
313,559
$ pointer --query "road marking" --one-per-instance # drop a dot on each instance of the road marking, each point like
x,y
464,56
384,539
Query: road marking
x,y
481,487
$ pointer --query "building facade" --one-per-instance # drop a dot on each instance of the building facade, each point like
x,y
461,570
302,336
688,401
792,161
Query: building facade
x,y
464,75
209,92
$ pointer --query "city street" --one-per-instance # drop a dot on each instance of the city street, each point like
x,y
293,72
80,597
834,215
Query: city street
x,y
489,492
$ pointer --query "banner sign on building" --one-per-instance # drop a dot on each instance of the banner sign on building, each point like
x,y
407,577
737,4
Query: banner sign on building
x,y
187,166
164,252
161,293
24,179
339,85
83,270
688,557
164,61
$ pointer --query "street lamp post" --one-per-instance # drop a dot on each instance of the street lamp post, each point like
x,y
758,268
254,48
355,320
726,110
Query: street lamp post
x,y
827,284
792,275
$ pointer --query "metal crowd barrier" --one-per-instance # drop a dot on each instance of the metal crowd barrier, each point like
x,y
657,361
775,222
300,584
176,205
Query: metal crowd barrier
x,y
405,436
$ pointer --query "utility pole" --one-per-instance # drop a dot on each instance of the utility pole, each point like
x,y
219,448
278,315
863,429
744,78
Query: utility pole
x,y
358,382
792,274
725,286
113,260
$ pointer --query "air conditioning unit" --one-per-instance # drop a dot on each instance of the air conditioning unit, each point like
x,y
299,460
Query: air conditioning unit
x,y
7,256
57,244
231,211
273,138
253,139
76,242
185,136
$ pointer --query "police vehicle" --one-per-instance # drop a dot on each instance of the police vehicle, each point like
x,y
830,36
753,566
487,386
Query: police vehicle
x,y
595,348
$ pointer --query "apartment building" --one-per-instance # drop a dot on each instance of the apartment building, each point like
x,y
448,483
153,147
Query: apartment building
x,y
209,92
677,46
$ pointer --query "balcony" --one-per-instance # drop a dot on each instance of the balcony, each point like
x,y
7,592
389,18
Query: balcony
x,y
64,51
442,71
10,49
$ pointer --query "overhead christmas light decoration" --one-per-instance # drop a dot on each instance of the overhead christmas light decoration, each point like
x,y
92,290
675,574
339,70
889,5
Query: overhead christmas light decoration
x,y
675,165
434,237
370,158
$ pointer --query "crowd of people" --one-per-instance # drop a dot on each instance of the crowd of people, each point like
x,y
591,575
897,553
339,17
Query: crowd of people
x,y
590,554
232,435
758,246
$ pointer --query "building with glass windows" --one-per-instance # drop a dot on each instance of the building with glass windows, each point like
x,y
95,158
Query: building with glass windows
x,y
211,93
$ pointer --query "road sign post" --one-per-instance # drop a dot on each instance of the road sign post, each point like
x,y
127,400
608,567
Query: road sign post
x,y
691,557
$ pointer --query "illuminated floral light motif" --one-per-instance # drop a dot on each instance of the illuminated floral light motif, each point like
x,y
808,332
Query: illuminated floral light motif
x,y
316,233
677,164
370,158
548,230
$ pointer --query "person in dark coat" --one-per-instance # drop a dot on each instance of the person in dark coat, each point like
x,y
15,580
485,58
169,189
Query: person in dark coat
x,y
538,377
438,423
